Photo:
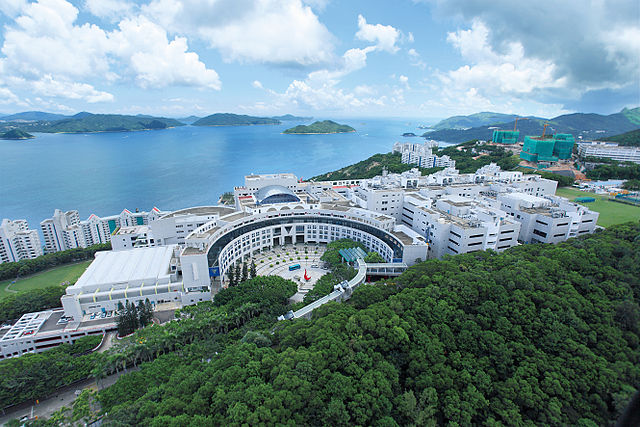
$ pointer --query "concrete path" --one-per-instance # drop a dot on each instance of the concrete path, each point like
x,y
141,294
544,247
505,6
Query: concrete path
x,y
63,397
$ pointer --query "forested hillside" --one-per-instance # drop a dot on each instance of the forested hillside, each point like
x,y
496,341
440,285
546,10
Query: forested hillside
x,y
537,335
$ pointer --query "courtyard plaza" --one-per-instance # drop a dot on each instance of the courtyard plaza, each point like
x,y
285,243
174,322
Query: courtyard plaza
x,y
277,260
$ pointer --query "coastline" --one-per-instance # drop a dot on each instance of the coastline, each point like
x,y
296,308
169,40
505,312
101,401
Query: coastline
x,y
239,124
316,133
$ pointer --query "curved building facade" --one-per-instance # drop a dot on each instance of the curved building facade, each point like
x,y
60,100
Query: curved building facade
x,y
221,244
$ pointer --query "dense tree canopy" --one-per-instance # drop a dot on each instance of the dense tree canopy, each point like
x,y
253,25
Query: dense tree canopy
x,y
15,305
539,334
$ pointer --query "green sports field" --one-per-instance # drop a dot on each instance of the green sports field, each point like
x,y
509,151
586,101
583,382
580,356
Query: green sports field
x,y
55,276
610,212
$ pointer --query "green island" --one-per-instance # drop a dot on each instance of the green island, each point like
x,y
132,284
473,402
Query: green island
x,y
536,335
88,123
228,119
16,134
291,117
323,127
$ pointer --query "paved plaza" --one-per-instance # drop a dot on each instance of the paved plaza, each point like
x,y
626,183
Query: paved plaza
x,y
276,262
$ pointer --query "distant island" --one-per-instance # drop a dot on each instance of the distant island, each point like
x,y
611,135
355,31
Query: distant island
x,y
16,134
228,119
88,123
323,127
289,118
409,134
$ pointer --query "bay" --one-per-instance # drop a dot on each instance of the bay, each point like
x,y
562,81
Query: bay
x,y
103,173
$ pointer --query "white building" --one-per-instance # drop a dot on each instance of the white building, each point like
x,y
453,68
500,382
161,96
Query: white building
x,y
65,230
172,228
454,225
132,275
62,231
40,331
422,155
18,241
548,220
609,150
137,236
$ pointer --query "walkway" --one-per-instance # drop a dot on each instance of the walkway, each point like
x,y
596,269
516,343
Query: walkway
x,y
341,292
344,290
64,396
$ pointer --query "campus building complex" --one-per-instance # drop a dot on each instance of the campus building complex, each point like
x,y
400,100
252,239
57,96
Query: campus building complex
x,y
18,241
422,155
183,257
609,150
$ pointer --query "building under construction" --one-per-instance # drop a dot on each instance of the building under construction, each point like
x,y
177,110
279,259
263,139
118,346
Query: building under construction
x,y
547,148
506,136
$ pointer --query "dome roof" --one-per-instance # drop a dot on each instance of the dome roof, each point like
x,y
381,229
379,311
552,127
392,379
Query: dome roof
x,y
275,194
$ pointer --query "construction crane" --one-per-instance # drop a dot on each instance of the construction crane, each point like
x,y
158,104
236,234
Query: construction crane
x,y
544,129
515,126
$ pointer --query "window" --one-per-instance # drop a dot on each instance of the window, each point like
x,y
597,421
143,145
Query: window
x,y
539,233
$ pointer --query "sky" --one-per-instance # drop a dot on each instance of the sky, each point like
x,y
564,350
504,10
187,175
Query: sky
x,y
323,58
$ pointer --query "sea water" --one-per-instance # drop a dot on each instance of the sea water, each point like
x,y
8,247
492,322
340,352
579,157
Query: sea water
x,y
103,173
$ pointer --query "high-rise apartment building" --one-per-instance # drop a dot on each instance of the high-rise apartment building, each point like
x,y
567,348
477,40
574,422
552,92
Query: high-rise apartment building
x,y
18,241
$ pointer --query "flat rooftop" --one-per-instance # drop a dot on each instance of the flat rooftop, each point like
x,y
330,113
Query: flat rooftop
x,y
235,216
134,265
201,210
404,238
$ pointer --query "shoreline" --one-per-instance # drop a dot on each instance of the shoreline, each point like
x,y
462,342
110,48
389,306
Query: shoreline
x,y
316,133
239,124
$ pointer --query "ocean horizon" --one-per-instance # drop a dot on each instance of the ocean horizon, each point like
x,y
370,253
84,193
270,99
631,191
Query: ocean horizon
x,y
104,173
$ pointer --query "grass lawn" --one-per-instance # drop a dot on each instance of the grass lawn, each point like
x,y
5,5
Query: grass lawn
x,y
610,212
55,276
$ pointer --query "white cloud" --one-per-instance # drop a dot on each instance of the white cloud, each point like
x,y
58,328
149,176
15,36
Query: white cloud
x,y
415,59
48,86
257,84
320,91
384,36
8,97
110,9
55,44
155,61
404,80
11,8
319,5
61,52
491,72
600,52
263,31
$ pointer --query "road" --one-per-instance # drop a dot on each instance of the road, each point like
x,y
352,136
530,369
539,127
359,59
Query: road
x,y
64,397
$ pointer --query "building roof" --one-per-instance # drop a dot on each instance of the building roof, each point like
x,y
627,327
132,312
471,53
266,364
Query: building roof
x,y
201,210
136,265
275,193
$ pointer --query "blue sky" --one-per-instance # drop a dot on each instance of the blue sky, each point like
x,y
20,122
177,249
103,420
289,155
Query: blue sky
x,y
324,58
